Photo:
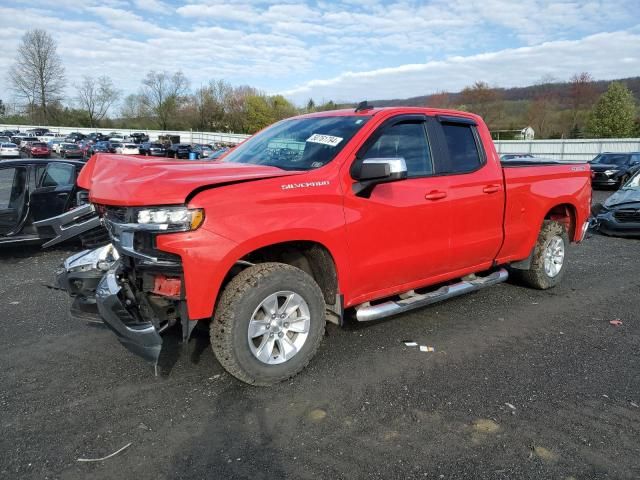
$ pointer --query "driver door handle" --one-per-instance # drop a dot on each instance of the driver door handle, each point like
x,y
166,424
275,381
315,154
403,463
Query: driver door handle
x,y
491,188
436,195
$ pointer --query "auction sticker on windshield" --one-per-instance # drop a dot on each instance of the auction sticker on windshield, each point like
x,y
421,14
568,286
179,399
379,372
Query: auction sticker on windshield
x,y
324,139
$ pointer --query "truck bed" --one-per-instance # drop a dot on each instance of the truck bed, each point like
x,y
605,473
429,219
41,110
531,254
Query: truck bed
x,y
531,187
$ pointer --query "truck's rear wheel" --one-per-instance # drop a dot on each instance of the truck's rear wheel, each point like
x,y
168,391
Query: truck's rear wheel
x,y
549,257
268,323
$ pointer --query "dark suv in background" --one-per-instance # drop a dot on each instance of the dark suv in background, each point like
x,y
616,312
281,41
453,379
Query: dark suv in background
x,y
153,149
614,169
138,137
179,150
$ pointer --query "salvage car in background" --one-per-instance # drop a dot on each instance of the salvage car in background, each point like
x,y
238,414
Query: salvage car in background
x,y
614,169
128,149
152,149
103,147
9,150
39,202
179,150
203,151
38,149
620,214
70,150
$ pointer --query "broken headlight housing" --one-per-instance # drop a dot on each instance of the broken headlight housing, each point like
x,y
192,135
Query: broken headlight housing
x,y
170,219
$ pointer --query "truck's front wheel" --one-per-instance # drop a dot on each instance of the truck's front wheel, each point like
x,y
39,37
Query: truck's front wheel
x,y
549,257
268,323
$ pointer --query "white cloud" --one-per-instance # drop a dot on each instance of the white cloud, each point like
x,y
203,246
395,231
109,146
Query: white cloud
x,y
153,6
506,68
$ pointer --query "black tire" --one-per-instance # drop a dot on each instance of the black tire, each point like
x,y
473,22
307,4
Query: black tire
x,y
536,276
237,304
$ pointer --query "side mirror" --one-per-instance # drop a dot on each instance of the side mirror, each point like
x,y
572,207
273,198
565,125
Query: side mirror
x,y
373,171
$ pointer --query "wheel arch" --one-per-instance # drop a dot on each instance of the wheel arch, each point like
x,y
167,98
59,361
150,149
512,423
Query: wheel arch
x,y
310,256
566,215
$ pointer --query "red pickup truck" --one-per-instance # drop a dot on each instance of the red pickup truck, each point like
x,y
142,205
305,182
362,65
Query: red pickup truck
x,y
367,213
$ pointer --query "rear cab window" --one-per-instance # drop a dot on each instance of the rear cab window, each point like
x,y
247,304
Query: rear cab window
x,y
464,152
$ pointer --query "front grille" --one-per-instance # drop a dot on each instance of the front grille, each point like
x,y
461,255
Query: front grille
x,y
627,215
117,214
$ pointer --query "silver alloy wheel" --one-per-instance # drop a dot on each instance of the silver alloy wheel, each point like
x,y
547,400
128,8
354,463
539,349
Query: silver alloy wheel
x,y
279,327
554,256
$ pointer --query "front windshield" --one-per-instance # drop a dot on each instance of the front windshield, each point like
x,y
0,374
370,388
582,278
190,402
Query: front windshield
x,y
611,159
298,143
633,183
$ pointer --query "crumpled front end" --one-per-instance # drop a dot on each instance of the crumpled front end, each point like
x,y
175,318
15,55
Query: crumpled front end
x,y
137,298
620,220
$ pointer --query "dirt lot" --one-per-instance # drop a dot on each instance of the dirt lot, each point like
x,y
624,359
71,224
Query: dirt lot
x,y
522,384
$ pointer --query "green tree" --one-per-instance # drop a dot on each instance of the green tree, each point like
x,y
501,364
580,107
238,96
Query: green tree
x,y
311,105
281,107
259,113
3,110
613,115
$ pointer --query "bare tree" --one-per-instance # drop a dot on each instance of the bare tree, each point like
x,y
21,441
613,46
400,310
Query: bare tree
x,y
37,76
209,102
542,107
163,93
96,97
582,94
484,100
441,99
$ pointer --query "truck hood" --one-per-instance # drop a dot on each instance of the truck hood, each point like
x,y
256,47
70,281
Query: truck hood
x,y
127,180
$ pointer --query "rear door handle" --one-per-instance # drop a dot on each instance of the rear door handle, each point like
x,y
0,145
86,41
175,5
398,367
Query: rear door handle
x,y
435,195
491,188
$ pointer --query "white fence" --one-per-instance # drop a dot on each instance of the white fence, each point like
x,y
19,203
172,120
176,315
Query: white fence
x,y
570,150
188,136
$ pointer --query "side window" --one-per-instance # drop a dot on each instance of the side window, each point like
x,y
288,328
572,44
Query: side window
x,y
408,141
58,174
463,149
12,184
635,158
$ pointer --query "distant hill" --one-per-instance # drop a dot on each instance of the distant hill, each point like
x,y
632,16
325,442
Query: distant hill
x,y
559,89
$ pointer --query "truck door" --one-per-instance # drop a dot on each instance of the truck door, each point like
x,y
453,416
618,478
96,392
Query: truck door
x,y
13,190
54,189
400,233
476,193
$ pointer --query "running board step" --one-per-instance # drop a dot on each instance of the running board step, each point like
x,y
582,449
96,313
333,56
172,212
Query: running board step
x,y
367,312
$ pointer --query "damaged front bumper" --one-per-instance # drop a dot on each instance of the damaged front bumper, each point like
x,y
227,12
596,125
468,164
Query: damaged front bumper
x,y
139,337
102,292
620,222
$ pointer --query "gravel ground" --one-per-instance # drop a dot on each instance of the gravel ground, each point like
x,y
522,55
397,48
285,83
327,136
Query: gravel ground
x,y
522,384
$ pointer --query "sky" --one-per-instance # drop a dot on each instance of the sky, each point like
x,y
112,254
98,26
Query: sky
x,y
341,50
